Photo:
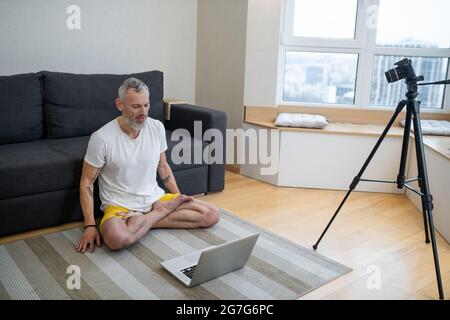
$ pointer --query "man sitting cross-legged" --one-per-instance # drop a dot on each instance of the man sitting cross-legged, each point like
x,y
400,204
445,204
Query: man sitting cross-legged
x,y
125,155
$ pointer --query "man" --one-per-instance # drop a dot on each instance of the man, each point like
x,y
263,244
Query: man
x,y
125,155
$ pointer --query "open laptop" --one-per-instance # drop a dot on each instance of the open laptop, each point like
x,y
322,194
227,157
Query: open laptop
x,y
200,266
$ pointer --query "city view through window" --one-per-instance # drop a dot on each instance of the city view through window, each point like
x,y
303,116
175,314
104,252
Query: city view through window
x,y
415,27
331,78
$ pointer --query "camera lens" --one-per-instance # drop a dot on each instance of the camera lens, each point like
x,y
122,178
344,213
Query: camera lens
x,y
393,75
404,70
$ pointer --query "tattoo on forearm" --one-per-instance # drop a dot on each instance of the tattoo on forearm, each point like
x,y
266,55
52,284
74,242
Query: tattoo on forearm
x,y
96,175
90,188
166,179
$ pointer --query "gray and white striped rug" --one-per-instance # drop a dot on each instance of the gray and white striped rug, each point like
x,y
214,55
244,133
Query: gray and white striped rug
x,y
38,268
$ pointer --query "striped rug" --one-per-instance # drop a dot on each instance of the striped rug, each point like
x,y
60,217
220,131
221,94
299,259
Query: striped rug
x,y
39,268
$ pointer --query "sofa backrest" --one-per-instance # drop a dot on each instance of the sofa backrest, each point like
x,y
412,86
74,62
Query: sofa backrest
x,y
79,104
21,112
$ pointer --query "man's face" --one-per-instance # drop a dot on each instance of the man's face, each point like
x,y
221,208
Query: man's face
x,y
135,108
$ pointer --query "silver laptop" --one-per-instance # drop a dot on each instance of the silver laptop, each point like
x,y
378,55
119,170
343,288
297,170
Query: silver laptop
x,y
200,266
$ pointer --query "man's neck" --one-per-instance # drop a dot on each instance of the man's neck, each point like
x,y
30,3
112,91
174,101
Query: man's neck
x,y
132,133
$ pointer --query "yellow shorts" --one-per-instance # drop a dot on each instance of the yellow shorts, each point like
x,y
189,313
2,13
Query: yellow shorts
x,y
112,211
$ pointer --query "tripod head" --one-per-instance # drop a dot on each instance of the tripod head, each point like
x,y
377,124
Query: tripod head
x,y
436,82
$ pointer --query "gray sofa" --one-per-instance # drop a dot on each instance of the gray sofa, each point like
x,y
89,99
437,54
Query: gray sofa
x,y
46,119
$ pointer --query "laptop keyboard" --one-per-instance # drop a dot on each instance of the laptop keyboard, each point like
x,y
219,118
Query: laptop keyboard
x,y
189,272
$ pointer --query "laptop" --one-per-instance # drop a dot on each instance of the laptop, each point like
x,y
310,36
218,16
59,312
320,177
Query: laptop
x,y
200,266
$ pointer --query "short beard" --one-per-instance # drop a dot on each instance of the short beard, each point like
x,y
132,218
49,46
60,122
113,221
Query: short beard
x,y
131,122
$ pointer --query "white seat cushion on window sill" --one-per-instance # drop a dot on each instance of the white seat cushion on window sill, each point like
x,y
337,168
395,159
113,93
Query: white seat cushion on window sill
x,y
300,120
433,127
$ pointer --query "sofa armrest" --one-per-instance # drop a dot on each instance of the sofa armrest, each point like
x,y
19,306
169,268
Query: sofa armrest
x,y
168,104
183,115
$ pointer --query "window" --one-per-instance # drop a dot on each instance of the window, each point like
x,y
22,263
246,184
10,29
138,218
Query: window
x,y
384,94
336,52
320,77
414,23
340,17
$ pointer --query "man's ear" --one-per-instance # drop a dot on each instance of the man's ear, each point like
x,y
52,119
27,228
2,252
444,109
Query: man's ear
x,y
119,104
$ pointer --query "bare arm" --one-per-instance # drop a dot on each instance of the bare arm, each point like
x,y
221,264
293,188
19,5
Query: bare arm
x,y
166,175
88,176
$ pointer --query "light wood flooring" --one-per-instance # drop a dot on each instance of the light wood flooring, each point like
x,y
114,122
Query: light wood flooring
x,y
373,231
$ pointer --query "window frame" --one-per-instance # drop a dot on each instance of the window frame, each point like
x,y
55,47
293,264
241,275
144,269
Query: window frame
x,y
364,45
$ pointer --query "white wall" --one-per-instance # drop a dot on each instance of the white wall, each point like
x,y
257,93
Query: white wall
x,y
439,177
263,38
34,37
115,37
221,40
329,161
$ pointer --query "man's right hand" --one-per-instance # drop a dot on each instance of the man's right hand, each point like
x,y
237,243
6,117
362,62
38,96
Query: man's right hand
x,y
90,237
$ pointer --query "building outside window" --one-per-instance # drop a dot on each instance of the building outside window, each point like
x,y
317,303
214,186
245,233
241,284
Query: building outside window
x,y
336,52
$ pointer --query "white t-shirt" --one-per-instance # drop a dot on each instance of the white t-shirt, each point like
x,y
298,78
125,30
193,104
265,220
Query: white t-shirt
x,y
129,166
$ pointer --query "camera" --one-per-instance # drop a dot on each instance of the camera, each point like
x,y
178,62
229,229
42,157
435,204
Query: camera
x,y
404,70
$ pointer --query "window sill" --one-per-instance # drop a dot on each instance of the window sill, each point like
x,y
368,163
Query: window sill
x,y
370,123
287,104
336,128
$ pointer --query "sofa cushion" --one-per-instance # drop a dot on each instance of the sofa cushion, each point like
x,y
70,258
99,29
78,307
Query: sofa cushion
x,y
193,161
39,210
21,111
55,164
79,104
190,181
41,166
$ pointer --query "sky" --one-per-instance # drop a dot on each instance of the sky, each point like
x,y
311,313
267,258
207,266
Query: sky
x,y
318,18
425,20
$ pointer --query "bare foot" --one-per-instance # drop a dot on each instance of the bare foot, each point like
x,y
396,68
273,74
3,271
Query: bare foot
x,y
136,221
129,214
167,207
132,218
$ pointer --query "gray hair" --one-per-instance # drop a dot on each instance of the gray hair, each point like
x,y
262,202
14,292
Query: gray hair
x,y
131,83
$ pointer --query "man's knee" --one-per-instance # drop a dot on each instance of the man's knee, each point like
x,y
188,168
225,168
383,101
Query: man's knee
x,y
117,241
210,216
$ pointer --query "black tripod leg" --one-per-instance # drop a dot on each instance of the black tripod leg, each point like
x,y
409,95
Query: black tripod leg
x,y
427,199
401,175
425,223
424,211
357,179
401,172
332,219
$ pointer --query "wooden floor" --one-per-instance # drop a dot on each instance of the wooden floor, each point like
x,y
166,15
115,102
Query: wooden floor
x,y
372,229
373,232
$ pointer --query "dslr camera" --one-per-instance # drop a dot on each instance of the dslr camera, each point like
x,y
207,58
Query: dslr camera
x,y
404,70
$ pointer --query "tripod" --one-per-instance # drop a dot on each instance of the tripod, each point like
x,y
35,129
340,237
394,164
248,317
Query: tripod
x,y
412,113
